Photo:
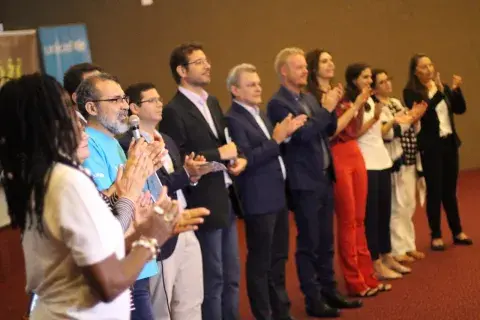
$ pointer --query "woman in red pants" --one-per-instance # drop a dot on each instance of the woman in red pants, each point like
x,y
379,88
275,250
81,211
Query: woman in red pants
x,y
351,180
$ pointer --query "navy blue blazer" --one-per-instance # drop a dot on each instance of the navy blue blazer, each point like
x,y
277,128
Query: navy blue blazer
x,y
261,186
303,154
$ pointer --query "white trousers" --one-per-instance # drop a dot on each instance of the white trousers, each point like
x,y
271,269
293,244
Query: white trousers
x,y
404,203
183,274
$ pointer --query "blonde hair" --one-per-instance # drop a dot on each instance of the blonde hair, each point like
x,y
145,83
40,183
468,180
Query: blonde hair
x,y
235,72
283,55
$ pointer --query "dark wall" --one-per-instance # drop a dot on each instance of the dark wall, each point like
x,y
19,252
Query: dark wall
x,y
134,42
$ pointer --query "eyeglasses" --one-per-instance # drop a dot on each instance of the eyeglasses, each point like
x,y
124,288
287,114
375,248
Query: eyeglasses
x,y
117,100
199,62
152,100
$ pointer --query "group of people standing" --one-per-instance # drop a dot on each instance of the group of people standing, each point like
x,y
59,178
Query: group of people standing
x,y
320,149
355,151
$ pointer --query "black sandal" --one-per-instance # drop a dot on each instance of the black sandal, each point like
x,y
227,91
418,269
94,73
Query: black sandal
x,y
438,247
462,242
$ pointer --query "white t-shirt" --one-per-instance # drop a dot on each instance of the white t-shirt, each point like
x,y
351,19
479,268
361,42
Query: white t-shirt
x,y
79,231
371,143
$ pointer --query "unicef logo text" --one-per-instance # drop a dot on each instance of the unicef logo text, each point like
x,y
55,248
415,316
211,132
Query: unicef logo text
x,y
66,47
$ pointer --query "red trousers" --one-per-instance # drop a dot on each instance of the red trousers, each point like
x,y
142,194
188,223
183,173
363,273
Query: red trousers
x,y
350,204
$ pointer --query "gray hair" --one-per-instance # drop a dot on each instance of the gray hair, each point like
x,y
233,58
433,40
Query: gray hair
x,y
235,72
87,91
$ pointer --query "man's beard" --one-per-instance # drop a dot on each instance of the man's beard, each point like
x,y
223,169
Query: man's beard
x,y
198,82
115,127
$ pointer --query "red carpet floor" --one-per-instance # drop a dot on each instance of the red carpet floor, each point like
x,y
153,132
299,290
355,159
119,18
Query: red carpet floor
x,y
443,286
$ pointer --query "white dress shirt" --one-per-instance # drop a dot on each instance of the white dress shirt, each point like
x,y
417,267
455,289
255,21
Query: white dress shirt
x,y
255,112
201,103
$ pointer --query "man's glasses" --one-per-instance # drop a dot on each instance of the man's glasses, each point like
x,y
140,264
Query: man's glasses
x,y
199,62
152,100
117,100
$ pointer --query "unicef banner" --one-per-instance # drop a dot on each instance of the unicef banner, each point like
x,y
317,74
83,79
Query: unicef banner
x,y
62,47
18,55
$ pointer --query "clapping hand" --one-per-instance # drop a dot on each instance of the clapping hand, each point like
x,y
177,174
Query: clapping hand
x,y
331,98
457,81
131,178
238,166
157,151
403,118
438,82
418,110
287,127
190,219
362,98
196,166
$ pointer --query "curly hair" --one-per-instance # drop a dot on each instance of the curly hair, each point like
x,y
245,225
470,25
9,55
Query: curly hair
x,y
36,130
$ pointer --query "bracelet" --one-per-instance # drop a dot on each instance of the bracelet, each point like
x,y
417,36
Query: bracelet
x,y
148,243
114,197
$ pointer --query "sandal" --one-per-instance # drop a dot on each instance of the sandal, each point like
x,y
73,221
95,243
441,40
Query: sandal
x,y
404,258
384,287
417,255
366,294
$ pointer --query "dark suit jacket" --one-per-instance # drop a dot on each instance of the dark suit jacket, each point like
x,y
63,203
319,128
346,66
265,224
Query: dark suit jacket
x,y
261,186
303,154
175,181
188,128
429,137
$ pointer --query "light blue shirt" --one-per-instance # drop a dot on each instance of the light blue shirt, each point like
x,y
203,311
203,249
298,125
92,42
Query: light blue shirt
x,y
106,155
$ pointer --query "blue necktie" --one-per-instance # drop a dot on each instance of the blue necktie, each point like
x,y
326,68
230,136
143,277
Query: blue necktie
x,y
154,185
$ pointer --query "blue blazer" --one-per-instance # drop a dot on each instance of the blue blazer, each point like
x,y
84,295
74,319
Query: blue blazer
x,y
261,186
303,154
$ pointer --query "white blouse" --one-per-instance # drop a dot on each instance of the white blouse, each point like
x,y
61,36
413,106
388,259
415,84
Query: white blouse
x,y
371,144
442,113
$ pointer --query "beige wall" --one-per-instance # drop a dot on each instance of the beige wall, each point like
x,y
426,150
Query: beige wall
x,y
134,42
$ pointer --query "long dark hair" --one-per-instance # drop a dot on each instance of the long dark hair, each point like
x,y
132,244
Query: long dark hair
x,y
413,82
36,130
352,72
313,58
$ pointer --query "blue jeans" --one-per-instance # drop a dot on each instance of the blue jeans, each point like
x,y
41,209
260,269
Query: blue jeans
x,y
141,299
221,272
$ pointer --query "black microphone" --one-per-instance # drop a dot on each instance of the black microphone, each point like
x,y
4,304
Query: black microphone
x,y
134,122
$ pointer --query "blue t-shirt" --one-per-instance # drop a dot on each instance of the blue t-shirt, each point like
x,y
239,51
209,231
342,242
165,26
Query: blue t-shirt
x,y
106,155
